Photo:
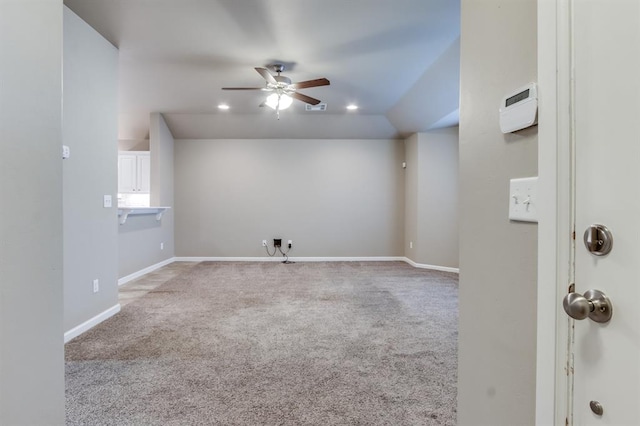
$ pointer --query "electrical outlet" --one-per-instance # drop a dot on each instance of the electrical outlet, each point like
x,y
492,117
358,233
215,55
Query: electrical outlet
x,y
290,242
410,244
106,201
264,243
161,246
277,242
96,286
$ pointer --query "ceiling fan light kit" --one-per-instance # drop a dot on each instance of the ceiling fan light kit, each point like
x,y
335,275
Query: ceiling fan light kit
x,y
283,90
278,102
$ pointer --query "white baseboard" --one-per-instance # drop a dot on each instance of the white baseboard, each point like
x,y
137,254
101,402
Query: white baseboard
x,y
226,259
350,259
138,274
87,325
320,259
144,271
293,259
432,267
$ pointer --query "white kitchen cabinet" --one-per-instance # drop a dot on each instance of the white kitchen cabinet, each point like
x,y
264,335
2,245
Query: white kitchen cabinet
x,y
134,172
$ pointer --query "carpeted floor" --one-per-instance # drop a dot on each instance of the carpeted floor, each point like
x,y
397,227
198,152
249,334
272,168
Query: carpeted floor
x,y
341,343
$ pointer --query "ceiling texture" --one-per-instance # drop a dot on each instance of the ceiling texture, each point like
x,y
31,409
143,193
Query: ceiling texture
x,y
398,60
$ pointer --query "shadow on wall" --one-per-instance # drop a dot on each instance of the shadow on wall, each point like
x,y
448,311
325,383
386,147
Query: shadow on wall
x,y
139,223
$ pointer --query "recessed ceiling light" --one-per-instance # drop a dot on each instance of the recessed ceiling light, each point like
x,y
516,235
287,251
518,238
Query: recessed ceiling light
x,y
223,106
352,107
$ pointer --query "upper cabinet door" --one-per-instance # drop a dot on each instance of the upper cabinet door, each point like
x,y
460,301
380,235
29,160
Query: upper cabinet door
x,y
127,170
134,173
144,173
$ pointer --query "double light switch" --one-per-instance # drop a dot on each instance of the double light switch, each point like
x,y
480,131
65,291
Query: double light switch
x,y
523,198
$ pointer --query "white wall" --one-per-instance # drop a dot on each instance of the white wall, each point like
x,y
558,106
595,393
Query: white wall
x,y
331,197
498,258
90,126
431,198
434,97
31,301
140,237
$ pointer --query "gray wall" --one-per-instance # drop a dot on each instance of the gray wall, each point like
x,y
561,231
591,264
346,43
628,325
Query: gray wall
x,y
411,188
31,301
431,192
140,237
90,125
133,145
331,197
497,331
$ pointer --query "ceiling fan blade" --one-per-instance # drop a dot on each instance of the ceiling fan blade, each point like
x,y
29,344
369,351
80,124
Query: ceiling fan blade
x,y
242,88
310,83
305,98
266,75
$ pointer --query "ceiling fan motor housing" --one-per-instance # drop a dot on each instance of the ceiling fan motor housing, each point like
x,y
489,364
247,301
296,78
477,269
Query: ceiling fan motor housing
x,y
282,79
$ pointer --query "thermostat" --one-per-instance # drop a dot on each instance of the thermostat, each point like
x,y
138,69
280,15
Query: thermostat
x,y
519,109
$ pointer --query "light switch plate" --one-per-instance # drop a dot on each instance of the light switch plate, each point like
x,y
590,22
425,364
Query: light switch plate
x,y
523,199
107,202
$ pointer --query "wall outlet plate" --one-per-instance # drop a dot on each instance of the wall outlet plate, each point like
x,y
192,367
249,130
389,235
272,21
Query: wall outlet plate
x,y
523,199
96,286
264,243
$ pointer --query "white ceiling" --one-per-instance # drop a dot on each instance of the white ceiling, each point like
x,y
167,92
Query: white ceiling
x,y
175,56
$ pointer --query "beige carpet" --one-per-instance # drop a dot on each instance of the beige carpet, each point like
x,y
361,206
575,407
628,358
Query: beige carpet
x,y
344,343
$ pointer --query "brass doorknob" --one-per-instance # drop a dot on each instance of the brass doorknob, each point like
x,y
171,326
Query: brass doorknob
x,y
594,304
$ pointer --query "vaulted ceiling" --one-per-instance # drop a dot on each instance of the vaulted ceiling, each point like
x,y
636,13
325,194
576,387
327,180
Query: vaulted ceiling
x,y
398,60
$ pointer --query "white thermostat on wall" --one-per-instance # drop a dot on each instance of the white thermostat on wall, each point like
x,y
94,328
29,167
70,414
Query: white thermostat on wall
x,y
519,109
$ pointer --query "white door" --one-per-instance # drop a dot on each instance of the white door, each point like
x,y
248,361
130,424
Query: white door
x,y
144,173
127,180
607,191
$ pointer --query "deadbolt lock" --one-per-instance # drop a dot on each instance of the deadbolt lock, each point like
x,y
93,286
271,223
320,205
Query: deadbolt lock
x,y
598,240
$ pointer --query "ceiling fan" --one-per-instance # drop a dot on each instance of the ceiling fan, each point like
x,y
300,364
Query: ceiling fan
x,y
283,91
